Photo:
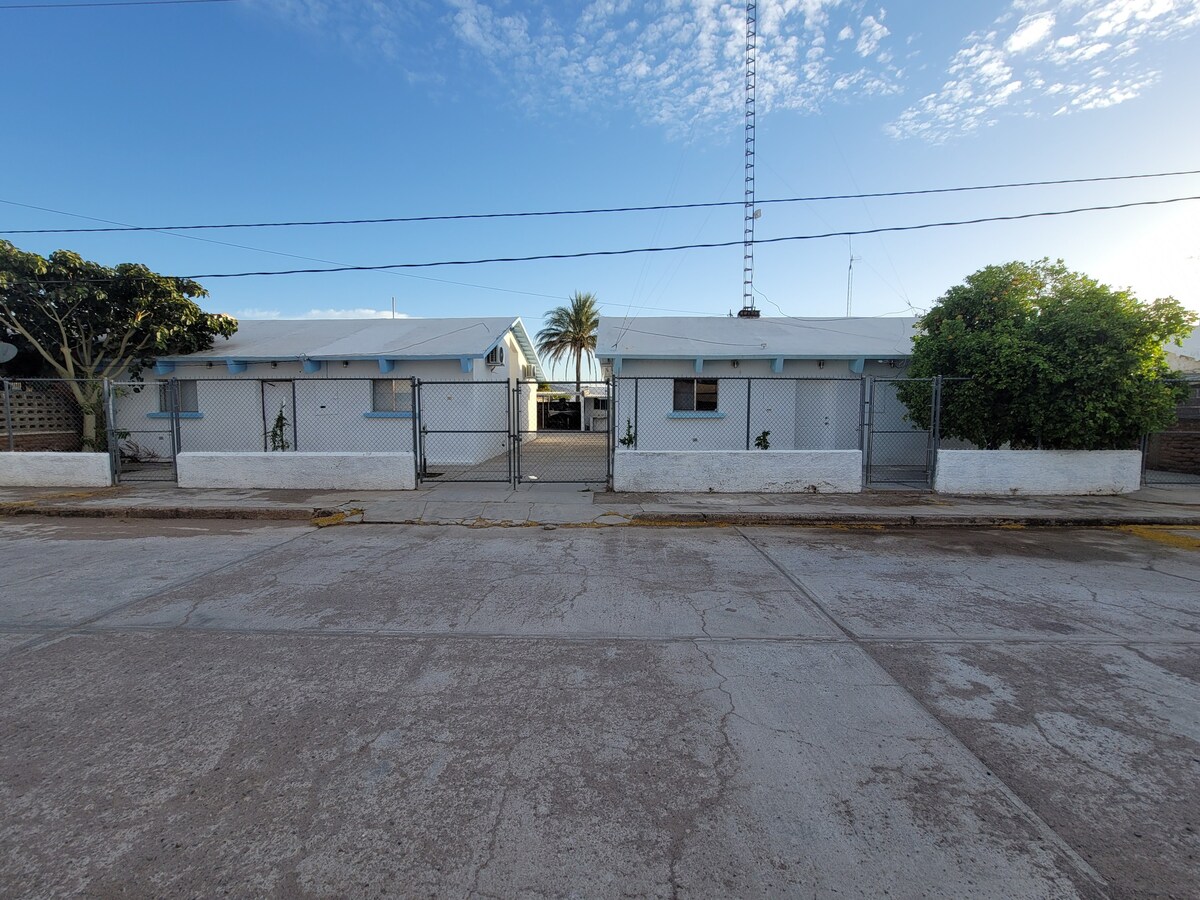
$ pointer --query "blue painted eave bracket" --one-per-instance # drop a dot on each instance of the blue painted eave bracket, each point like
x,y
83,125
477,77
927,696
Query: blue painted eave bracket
x,y
777,365
616,365
235,367
857,365
699,365
164,368
386,365
467,364
312,366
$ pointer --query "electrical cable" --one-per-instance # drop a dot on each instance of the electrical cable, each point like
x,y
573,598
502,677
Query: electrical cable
x,y
113,3
635,250
575,212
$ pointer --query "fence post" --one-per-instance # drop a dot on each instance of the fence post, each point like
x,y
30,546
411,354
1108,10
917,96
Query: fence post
x,y
8,424
415,409
612,428
749,382
514,433
935,430
176,436
635,414
110,429
867,418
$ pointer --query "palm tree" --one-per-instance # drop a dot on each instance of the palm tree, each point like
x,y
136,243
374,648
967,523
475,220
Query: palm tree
x,y
571,331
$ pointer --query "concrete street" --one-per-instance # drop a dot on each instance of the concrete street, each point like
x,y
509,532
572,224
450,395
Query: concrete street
x,y
196,707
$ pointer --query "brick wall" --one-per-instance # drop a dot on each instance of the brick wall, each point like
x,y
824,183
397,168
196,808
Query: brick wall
x,y
1177,449
45,441
43,416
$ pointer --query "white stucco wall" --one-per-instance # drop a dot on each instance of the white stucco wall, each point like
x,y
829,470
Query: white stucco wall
x,y
800,414
1009,472
754,471
55,470
311,471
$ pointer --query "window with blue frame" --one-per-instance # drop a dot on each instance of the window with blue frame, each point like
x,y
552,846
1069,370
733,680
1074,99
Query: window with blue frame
x,y
391,395
695,395
188,400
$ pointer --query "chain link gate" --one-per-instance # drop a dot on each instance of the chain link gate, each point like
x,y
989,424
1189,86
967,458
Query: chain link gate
x,y
898,453
562,435
143,429
465,431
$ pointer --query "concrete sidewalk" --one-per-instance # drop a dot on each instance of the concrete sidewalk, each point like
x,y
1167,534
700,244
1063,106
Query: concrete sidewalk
x,y
579,505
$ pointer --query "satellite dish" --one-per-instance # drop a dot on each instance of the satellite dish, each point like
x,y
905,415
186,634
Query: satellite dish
x,y
7,352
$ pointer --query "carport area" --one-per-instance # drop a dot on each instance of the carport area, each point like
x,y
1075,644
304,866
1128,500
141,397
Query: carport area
x,y
192,708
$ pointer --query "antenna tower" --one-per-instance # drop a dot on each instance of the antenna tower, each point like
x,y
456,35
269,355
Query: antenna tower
x,y
749,212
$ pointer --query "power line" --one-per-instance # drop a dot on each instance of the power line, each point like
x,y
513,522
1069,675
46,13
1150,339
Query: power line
x,y
708,246
634,250
573,212
113,3
331,262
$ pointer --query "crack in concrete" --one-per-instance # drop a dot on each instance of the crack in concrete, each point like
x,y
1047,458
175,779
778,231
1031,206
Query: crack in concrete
x,y
1082,868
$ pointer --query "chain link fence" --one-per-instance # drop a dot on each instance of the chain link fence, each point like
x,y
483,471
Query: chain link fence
x,y
662,413
499,431
1172,456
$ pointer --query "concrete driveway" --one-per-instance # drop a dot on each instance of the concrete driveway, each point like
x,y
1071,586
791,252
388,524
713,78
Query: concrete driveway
x,y
404,710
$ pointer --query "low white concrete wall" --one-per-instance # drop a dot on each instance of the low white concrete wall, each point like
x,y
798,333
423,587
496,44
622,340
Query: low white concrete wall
x,y
739,471
55,470
343,471
1017,472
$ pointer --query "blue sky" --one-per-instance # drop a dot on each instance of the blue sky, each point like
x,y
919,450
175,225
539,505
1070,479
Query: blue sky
x,y
262,110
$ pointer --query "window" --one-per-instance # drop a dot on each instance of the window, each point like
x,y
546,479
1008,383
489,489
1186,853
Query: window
x,y
600,403
391,395
695,395
187,396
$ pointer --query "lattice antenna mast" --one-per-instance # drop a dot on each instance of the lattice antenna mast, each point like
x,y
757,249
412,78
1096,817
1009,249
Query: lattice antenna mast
x,y
749,212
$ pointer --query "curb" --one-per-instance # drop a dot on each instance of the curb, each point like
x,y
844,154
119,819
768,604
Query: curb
x,y
166,512
333,516
938,520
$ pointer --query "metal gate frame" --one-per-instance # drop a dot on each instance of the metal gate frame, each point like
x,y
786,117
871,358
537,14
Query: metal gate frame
x,y
115,435
518,432
421,430
870,431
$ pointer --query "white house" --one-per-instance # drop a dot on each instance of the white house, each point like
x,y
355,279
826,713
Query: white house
x,y
344,386
716,383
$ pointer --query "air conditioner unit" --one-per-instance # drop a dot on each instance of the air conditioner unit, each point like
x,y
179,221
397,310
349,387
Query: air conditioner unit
x,y
496,357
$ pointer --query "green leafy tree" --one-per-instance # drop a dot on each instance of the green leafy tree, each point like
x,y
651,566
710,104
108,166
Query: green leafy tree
x,y
1053,359
87,321
570,331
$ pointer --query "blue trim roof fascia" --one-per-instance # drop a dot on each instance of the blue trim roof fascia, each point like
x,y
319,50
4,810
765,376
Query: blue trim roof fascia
x,y
526,344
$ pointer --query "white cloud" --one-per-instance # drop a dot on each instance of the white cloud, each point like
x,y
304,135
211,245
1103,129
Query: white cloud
x,y
676,63
1032,30
257,313
1050,57
355,313
869,38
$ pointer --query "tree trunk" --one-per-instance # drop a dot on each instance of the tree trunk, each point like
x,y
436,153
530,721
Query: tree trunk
x,y
90,397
